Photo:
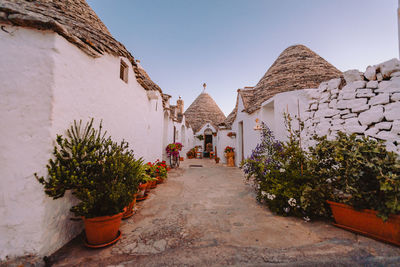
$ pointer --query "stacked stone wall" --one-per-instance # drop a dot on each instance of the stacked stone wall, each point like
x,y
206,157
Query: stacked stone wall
x,y
364,103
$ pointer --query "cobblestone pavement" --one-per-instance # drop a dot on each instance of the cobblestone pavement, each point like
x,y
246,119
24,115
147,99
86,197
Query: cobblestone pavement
x,y
209,216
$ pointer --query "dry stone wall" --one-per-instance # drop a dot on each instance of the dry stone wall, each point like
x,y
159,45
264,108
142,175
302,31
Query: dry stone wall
x,y
364,103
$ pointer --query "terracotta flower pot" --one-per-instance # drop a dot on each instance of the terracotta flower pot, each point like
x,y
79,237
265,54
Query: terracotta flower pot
x,y
367,223
159,180
230,159
129,209
153,184
181,158
102,230
148,187
217,161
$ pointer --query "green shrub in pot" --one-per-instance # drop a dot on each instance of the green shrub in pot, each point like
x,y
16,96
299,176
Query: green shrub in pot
x,y
102,174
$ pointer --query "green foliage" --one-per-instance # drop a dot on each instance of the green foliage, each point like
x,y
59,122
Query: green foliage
x,y
364,174
200,137
283,180
101,173
357,171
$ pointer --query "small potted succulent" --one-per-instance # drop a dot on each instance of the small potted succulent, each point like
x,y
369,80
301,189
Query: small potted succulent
x,y
217,160
103,176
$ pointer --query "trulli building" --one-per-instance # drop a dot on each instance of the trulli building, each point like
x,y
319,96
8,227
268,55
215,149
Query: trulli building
x,y
279,90
60,63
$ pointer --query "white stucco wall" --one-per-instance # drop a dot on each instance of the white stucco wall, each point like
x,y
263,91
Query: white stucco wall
x,y
45,84
26,84
291,102
250,136
272,113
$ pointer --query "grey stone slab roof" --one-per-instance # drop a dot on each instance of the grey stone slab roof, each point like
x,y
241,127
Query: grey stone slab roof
x,y
297,67
204,110
76,22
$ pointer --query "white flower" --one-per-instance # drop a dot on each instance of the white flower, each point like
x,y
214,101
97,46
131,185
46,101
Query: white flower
x,y
307,219
258,186
282,170
329,181
263,193
292,202
286,210
270,196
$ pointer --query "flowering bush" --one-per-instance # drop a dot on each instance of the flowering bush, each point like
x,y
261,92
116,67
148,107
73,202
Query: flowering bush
x,y
173,149
191,153
228,149
157,169
283,181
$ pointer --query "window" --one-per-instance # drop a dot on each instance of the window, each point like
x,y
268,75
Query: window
x,y
123,71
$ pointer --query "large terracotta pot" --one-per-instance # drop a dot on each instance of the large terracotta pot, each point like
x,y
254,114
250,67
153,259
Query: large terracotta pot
x,y
102,230
153,184
159,180
148,187
230,157
129,209
367,223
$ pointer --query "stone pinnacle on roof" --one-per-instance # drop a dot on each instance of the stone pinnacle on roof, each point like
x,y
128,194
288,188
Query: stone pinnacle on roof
x,y
204,110
297,67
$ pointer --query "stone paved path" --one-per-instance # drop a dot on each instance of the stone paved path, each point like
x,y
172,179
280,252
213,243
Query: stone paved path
x,y
209,216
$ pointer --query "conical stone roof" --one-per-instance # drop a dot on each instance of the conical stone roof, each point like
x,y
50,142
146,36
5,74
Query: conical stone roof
x,y
297,67
76,22
203,110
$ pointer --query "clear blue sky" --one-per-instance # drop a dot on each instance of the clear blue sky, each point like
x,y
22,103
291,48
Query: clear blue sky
x,y
230,44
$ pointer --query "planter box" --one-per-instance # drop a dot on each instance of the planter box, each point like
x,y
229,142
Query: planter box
x,y
366,223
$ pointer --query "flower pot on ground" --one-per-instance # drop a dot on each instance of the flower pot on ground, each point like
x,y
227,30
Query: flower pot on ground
x,y
129,210
103,176
217,160
160,180
230,155
366,223
102,230
181,158
153,184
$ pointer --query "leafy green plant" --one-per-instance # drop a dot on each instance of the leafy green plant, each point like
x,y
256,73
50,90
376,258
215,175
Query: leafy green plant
x,y
102,174
282,176
364,174
200,137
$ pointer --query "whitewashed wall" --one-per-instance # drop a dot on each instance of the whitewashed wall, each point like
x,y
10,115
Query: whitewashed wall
x,y
45,84
250,136
26,87
294,103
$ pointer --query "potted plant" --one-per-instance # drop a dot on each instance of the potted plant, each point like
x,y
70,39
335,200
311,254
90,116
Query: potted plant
x,y
230,154
231,134
103,175
191,153
365,177
159,171
217,160
200,137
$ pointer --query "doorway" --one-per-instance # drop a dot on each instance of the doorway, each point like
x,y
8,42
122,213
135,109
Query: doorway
x,y
208,139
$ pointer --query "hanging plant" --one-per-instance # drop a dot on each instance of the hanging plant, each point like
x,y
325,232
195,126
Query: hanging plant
x,y
231,134
200,137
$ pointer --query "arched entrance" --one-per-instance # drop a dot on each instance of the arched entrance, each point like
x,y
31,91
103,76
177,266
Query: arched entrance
x,y
208,139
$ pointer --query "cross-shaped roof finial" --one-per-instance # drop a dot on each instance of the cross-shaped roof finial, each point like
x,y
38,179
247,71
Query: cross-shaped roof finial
x,y
204,86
